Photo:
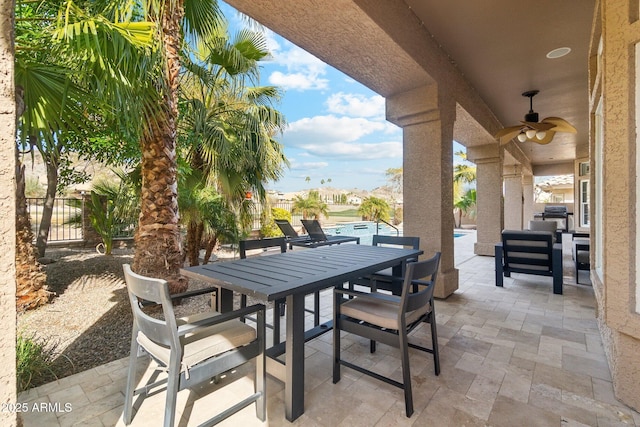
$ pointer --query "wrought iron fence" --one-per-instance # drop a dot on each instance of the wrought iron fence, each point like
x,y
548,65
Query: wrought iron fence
x,y
66,221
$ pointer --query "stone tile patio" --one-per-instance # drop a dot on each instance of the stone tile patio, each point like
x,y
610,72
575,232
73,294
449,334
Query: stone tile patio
x,y
514,356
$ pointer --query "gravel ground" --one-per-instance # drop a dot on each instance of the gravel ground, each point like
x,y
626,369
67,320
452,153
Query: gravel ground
x,y
89,320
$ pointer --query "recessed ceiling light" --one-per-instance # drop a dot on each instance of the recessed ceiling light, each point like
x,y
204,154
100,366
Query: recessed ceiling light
x,y
559,52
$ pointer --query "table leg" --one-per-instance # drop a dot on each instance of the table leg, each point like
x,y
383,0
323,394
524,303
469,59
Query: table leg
x,y
294,384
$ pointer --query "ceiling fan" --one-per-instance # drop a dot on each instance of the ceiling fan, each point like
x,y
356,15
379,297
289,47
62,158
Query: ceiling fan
x,y
531,130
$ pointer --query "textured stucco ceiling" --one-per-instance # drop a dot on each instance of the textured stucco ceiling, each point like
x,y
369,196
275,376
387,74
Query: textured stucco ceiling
x,y
485,53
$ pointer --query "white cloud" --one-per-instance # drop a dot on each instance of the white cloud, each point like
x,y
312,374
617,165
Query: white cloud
x,y
303,70
356,151
356,105
294,165
331,129
297,81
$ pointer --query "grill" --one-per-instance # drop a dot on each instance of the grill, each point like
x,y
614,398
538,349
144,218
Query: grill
x,y
557,212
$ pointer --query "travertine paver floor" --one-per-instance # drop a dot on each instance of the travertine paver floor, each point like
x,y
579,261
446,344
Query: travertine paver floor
x,y
516,356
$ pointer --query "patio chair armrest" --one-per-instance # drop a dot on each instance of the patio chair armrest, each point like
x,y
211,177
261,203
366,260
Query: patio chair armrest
x,y
221,318
187,294
194,293
372,296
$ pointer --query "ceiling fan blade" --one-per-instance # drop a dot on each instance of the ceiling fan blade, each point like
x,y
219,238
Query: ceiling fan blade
x,y
507,134
539,126
560,125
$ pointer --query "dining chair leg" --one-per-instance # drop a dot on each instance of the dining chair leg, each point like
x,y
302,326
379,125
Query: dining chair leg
x,y
316,308
277,308
243,304
131,382
261,372
173,386
336,338
434,341
406,374
372,346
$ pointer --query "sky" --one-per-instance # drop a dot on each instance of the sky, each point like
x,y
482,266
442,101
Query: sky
x,y
336,127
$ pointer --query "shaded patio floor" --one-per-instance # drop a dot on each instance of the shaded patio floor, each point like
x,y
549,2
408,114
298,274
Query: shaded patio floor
x,y
514,356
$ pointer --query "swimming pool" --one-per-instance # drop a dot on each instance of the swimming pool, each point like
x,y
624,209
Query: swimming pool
x,y
366,230
363,229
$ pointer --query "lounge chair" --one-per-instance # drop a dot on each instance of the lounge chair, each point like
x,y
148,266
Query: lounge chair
x,y
315,237
529,252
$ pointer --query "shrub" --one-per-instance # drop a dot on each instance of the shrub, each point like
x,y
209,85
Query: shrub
x,y
269,227
34,361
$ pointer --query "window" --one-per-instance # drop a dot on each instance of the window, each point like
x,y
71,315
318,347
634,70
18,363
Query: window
x,y
583,169
584,202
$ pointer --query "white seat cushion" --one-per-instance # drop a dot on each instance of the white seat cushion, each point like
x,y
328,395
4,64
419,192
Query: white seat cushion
x,y
379,313
204,342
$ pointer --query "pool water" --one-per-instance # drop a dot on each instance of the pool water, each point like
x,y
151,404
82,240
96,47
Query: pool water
x,y
365,230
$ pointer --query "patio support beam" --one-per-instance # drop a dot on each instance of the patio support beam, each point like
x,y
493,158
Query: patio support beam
x,y
513,197
490,213
427,115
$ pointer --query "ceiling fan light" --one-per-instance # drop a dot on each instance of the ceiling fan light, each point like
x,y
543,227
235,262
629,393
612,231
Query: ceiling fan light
x,y
522,137
541,134
530,133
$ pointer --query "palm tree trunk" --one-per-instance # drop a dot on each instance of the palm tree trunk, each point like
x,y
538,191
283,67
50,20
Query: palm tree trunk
x,y
193,243
51,163
31,279
210,246
158,247
31,287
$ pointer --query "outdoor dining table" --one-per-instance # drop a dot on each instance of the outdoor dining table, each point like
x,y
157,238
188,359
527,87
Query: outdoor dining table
x,y
293,275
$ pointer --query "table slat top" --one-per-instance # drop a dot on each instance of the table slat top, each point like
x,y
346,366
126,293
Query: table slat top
x,y
302,271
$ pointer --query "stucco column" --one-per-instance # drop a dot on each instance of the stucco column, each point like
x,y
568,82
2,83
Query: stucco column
x,y
527,197
8,213
427,116
512,198
489,203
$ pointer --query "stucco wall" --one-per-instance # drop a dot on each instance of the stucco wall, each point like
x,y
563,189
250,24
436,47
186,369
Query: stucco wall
x,y
615,287
7,212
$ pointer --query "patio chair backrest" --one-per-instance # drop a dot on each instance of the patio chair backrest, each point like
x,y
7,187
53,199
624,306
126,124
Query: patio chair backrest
x,y
141,288
286,228
527,250
422,273
412,242
551,226
246,245
314,230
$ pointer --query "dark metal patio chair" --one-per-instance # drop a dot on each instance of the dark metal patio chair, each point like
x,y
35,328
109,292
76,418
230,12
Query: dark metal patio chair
x,y
279,305
389,319
529,252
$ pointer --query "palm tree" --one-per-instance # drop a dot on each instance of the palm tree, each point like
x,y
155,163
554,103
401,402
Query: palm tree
x,y
157,240
463,174
311,206
374,209
65,85
228,127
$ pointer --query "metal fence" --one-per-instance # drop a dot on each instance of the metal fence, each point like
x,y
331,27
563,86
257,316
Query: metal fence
x,y
258,208
66,220
63,226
